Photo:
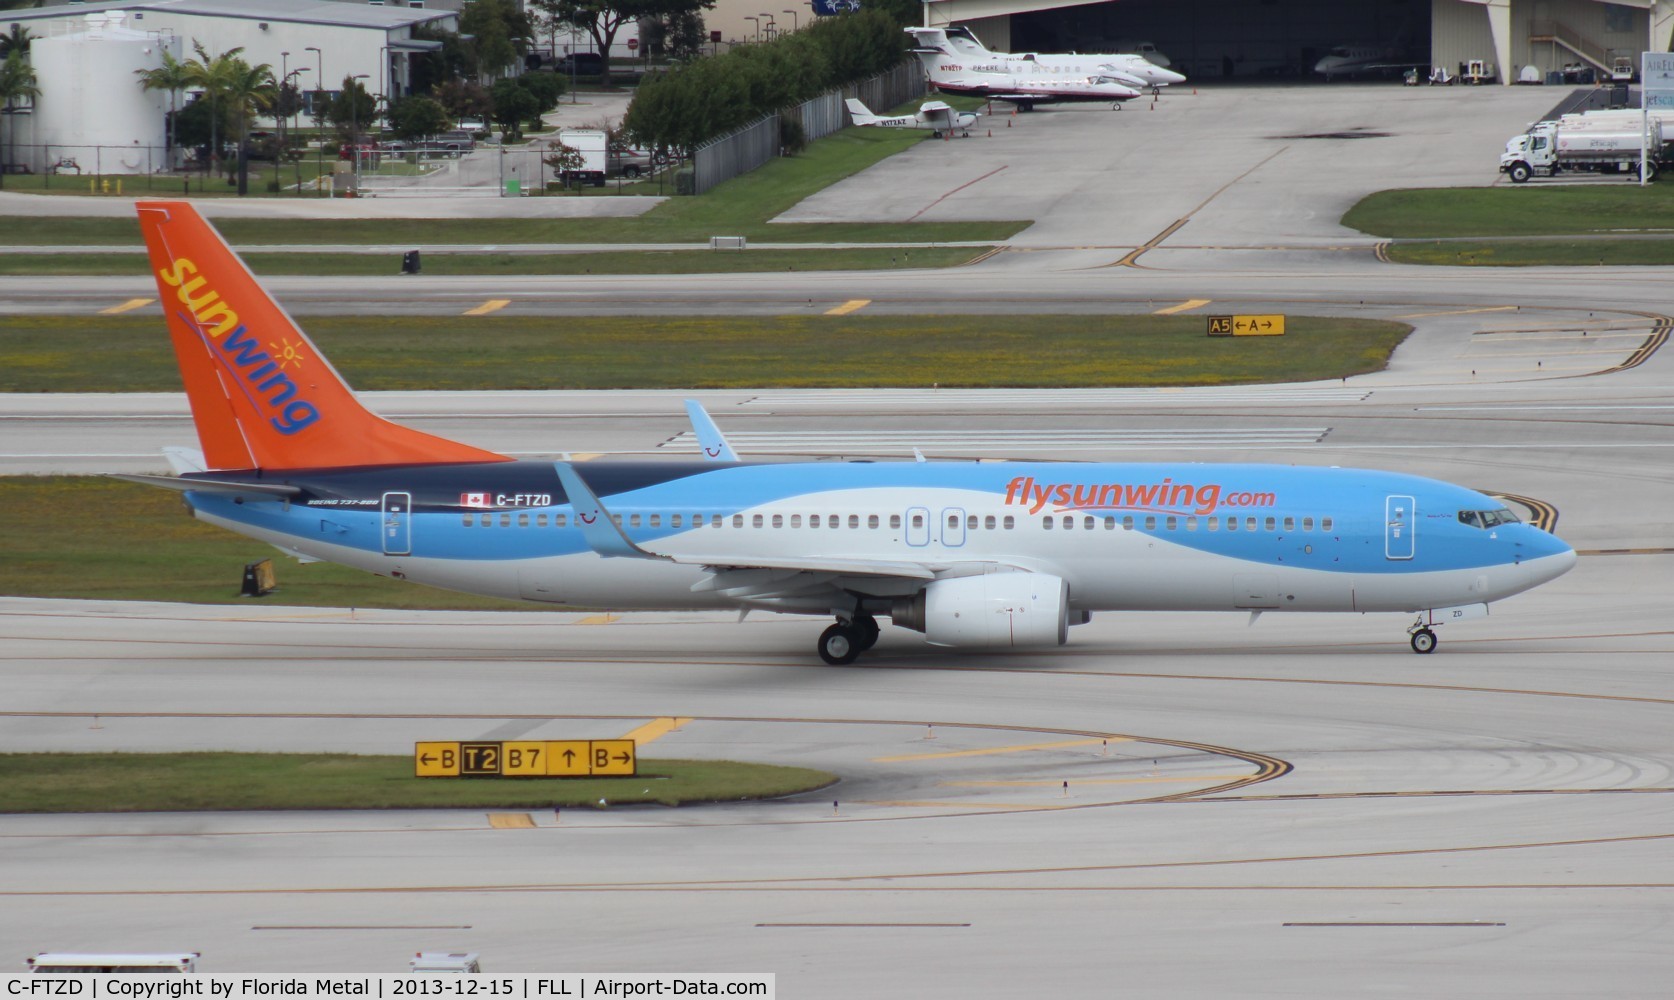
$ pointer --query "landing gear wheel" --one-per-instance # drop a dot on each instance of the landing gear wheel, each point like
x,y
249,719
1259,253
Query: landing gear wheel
x,y
866,630
1424,641
839,644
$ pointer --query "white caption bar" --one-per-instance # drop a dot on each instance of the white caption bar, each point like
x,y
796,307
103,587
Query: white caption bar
x,y
567,986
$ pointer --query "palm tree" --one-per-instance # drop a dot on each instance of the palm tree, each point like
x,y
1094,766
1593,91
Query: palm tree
x,y
173,77
15,40
249,90
17,81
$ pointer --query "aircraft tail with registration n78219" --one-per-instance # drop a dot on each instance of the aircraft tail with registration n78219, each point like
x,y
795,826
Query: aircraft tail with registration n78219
x,y
262,395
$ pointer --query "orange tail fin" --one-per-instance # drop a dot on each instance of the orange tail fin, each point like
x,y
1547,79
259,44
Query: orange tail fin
x,y
262,395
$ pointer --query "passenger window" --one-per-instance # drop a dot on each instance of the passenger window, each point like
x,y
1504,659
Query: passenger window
x,y
1232,524
778,520
796,520
616,519
1010,522
559,520
755,522
988,523
523,520
1087,524
854,520
738,520
971,522
1270,524
953,520
674,520
1173,522
1307,524
1325,524
895,520
1249,524
633,520
1290,524
813,520
656,520
540,520
1150,522
505,520
872,520
1212,523
1110,524
1191,524
918,520
1046,522
1069,523
715,521
1127,522
469,520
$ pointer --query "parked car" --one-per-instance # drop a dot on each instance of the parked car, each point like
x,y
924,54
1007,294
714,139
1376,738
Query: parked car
x,y
477,128
583,63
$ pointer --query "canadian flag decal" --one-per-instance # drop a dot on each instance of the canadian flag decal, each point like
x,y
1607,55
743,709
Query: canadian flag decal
x,y
474,500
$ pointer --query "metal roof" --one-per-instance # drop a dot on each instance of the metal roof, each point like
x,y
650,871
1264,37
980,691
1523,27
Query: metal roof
x,y
322,12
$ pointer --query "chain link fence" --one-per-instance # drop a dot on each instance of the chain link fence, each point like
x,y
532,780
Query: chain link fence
x,y
745,149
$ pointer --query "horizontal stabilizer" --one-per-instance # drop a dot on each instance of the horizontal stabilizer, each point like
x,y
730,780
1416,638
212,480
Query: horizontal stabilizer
x,y
211,485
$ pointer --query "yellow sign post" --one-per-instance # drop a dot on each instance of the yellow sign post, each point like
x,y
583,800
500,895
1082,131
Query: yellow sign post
x,y
526,759
1247,326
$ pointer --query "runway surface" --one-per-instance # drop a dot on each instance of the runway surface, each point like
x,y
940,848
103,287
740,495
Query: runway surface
x,y
1292,807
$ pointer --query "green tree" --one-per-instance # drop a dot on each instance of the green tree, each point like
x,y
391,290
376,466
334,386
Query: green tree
x,y
173,77
602,19
17,82
513,105
465,99
16,39
231,86
547,88
415,117
501,34
352,110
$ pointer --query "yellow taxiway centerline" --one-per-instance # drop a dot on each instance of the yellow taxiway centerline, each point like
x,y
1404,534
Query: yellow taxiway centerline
x,y
849,307
127,306
1087,781
604,619
511,821
989,751
1182,307
655,728
492,305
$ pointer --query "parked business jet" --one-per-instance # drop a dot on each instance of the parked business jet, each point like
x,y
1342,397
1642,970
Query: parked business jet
x,y
970,554
1128,68
1025,91
937,116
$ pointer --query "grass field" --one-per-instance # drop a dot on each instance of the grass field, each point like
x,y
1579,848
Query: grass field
x,y
740,207
105,539
1531,253
623,262
1523,210
130,353
133,782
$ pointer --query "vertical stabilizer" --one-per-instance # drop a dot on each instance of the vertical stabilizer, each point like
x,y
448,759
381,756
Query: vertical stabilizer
x,y
262,395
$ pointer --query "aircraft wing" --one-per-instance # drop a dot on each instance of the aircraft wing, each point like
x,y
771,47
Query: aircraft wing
x,y
606,538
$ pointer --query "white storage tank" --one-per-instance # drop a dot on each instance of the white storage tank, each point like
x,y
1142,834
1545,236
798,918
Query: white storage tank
x,y
92,109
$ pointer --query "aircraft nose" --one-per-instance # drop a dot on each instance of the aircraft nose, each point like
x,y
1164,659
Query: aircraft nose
x,y
1169,76
1548,555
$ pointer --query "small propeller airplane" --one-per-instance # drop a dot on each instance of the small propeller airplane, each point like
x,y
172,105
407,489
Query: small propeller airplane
x,y
937,116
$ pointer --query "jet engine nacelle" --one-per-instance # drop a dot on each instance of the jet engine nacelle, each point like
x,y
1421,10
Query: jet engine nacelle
x,y
995,609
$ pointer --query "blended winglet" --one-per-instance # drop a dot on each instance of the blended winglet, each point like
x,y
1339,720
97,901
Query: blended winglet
x,y
710,438
603,535
262,395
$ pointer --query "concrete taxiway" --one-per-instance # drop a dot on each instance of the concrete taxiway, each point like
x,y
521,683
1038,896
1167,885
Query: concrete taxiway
x,y
1297,806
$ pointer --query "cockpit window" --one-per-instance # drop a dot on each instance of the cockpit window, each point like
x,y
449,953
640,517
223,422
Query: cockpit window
x,y
1487,518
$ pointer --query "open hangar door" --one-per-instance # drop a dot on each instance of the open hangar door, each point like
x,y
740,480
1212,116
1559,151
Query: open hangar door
x,y
1237,39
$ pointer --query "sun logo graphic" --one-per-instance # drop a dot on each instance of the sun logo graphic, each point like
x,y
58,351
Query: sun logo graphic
x,y
286,353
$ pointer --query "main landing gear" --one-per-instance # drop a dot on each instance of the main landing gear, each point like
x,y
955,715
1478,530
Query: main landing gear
x,y
1423,638
844,641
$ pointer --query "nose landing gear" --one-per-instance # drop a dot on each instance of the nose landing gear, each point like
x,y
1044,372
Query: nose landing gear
x,y
1423,641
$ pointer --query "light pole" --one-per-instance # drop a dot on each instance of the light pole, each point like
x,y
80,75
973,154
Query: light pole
x,y
297,72
757,23
792,13
319,83
284,75
354,116
770,24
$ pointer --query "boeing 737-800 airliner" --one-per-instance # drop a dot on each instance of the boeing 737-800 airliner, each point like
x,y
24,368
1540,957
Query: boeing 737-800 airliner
x,y
978,555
